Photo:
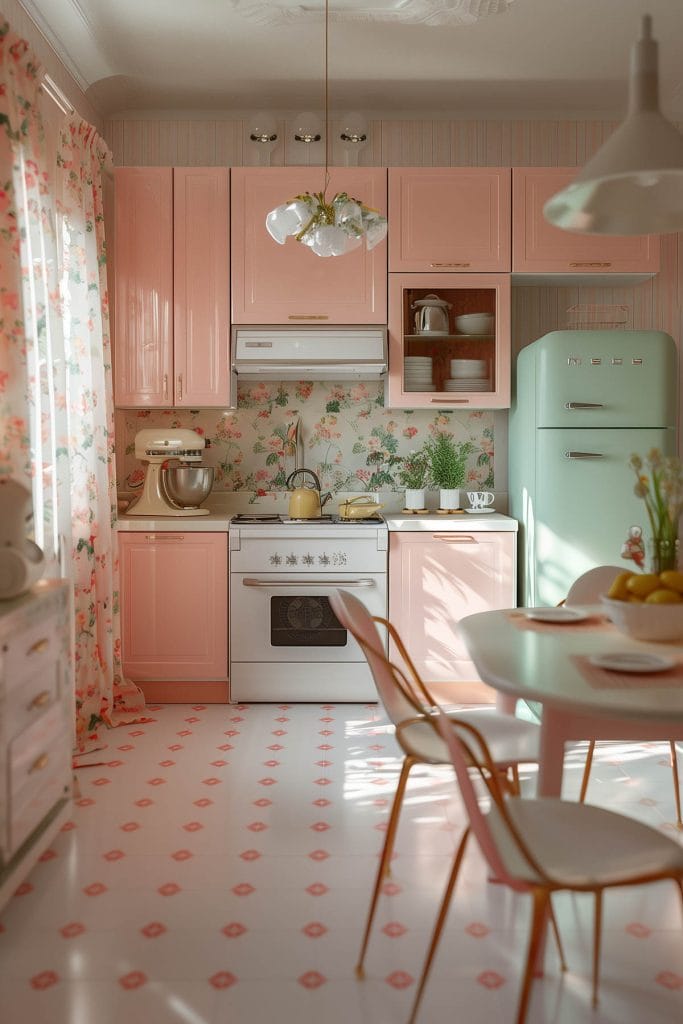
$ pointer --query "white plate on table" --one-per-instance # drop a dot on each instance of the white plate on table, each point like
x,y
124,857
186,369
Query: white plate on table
x,y
480,511
559,615
631,661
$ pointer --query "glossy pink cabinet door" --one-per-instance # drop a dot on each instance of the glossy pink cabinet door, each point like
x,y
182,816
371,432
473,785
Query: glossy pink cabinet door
x,y
201,248
435,579
288,284
453,219
174,595
143,245
539,247
466,293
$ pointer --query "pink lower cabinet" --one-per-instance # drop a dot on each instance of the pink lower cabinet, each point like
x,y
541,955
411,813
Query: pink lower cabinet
x,y
174,614
435,579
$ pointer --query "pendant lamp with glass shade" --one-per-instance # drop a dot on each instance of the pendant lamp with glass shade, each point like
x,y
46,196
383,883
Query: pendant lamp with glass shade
x,y
634,183
330,227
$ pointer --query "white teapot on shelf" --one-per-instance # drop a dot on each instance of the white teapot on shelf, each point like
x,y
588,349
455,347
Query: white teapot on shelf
x,y
432,315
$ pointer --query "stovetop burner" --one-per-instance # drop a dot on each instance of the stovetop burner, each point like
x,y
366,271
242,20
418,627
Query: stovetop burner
x,y
247,519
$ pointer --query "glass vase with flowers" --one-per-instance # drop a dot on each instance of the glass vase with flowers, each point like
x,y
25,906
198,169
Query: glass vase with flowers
x,y
659,482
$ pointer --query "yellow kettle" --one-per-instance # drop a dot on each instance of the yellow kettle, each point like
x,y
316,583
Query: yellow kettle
x,y
305,502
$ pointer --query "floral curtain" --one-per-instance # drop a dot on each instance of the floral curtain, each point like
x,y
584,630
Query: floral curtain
x,y
56,414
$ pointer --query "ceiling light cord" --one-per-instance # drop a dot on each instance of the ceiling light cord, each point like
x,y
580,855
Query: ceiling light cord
x,y
327,112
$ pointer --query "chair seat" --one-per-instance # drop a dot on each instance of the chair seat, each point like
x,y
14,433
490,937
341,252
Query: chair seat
x,y
510,740
581,846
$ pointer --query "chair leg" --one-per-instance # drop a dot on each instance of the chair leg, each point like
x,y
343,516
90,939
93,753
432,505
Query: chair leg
x,y
385,856
597,936
440,921
514,771
587,771
540,898
677,790
556,933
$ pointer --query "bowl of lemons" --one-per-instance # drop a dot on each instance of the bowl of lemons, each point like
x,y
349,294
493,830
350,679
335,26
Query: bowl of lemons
x,y
647,606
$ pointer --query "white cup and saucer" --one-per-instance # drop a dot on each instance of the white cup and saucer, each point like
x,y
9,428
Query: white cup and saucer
x,y
480,501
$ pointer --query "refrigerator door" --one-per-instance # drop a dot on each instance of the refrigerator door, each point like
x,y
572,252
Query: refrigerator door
x,y
604,379
582,506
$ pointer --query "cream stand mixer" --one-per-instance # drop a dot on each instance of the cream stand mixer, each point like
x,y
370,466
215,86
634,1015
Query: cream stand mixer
x,y
156,447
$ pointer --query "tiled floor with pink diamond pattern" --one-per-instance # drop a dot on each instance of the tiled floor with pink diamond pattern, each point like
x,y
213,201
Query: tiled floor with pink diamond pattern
x,y
217,868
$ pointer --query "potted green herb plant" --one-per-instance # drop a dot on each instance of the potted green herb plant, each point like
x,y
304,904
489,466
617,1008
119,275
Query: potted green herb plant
x,y
414,475
447,467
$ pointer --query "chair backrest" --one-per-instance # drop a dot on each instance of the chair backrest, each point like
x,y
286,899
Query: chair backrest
x,y
355,617
589,586
468,749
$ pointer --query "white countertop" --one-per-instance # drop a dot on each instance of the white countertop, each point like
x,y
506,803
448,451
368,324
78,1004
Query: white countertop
x,y
223,505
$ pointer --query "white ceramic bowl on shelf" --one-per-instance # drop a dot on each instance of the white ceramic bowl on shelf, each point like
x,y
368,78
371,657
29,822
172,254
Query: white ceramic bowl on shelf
x,y
657,622
475,323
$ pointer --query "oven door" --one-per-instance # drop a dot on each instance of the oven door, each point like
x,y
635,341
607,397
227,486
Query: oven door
x,y
277,617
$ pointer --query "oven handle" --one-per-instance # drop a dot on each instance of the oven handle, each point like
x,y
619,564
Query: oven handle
x,y
249,581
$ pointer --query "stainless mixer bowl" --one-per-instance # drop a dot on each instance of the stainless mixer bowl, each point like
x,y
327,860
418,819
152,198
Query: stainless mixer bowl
x,y
187,486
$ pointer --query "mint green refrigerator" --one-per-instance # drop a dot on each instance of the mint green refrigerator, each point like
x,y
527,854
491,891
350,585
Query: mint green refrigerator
x,y
583,402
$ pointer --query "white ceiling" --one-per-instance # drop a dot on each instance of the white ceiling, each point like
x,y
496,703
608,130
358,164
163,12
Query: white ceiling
x,y
540,58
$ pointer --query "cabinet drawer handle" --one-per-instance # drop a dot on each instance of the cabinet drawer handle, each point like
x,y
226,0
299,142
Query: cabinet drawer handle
x,y
308,316
164,385
180,387
588,263
583,455
164,536
39,764
449,264
450,401
456,538
248,581
40,700
38,646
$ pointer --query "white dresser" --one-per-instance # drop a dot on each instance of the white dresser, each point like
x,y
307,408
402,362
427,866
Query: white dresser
x,y
36,725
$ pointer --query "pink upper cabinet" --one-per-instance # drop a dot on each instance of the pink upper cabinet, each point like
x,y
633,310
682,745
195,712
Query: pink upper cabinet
x,y
449,219
172,280
143,346
538,247
201,276
288,284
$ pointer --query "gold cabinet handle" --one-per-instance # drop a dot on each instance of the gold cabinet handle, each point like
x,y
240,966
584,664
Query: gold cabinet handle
x,y
308,316
39,764
588,263
450,264
164,536
450,401
38,646
164,384
40,700
180,387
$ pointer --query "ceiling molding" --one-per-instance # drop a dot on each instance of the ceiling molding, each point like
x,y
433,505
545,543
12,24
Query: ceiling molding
x,y
72,22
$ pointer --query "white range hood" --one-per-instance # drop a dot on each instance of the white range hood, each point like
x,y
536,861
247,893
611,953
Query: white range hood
x,y
309,353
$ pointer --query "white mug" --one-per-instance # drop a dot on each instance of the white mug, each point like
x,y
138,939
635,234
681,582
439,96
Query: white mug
x,y
480,499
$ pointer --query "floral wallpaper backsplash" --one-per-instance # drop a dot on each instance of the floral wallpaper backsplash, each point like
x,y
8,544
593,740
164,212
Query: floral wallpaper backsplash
x,y
349,439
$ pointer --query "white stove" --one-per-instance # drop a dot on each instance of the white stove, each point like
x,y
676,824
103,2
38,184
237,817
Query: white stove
x,y
285,641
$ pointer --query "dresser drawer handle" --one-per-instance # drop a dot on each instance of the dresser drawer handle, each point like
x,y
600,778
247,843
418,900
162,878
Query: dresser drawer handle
x,y
39,764
40,700
39,646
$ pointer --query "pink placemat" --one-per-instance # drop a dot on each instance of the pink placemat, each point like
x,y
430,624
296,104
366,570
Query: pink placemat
x,y
594,622
605,679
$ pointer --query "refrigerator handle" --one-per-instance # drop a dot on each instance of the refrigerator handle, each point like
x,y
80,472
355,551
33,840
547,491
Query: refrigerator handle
x,y
583,405
583,455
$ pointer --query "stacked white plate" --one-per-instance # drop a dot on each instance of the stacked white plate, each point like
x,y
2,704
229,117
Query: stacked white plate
x,y
468,375
418,373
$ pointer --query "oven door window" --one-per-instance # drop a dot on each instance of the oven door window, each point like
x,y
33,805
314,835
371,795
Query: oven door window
x,y
305,621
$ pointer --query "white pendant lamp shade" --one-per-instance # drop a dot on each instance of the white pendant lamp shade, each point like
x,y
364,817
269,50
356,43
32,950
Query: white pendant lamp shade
x,y
634,183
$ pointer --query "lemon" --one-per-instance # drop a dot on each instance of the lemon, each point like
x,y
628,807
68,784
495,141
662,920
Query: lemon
x,y
662,596
672,579
643,585
618,591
